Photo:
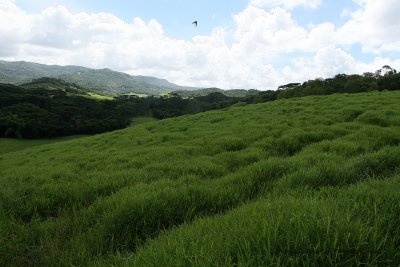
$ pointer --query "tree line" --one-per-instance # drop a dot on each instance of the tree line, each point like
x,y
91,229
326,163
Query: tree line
x,y
385,78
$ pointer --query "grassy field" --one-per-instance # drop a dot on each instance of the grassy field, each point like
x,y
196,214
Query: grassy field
x,y
297,182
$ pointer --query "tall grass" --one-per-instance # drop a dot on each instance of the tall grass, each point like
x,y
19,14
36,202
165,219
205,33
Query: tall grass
x,y
352,226
238,181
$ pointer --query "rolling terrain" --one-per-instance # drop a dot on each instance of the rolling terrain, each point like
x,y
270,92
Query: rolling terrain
x,y
103,81
293,182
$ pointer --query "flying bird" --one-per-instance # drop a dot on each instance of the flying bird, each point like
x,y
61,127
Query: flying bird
x,y
195,23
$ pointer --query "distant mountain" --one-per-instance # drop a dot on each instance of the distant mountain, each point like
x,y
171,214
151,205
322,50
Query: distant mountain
x,y
24,72
104,81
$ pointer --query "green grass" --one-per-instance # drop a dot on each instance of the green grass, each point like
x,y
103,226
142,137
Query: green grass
x,y
10,144
297,182
97,96
298,229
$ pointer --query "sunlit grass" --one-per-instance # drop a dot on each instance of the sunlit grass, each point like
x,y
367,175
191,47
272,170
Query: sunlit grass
x,y
97,96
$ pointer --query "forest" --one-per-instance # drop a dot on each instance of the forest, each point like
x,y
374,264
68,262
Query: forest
x,y
43,113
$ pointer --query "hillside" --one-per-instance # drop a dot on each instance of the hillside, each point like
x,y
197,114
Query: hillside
x,y
294,182
103,81
23,72
71,89
56,84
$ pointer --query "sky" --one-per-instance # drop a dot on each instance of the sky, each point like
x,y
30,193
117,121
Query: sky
x,y
237,44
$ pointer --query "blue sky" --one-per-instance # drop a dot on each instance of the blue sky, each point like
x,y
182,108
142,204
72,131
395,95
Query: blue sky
x,y
176,16
328,11
237,44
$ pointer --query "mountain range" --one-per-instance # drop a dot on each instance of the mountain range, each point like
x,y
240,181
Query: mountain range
x,y
104,81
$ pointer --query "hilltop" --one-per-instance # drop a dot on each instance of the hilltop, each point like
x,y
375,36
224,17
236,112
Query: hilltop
x,y
293,182
103,81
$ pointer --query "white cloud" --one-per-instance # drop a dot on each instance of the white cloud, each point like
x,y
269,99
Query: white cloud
x,y
13,28
375,24
326,62
266,47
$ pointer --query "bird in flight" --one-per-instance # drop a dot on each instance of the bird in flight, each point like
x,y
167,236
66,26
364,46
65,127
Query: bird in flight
x,y
195,23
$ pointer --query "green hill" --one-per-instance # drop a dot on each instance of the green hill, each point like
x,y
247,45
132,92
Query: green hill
x,y
104,81
23,72
107,81
308,181
71,89
56,84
